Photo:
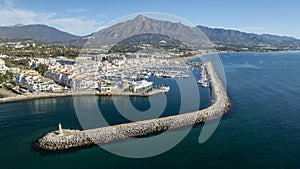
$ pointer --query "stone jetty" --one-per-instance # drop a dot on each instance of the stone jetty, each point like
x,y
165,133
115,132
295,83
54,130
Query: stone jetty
x,y
220,104
43,95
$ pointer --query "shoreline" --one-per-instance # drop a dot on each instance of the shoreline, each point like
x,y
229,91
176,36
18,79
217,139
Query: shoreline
x,y
4,93
65,139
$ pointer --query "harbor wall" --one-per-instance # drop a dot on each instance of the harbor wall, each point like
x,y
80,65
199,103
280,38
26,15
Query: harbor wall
x,y
75,138
44,95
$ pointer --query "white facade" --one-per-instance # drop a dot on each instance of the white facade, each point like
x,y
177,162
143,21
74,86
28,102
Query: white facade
x,y
3,68
33,81
82,84
142,86
60,78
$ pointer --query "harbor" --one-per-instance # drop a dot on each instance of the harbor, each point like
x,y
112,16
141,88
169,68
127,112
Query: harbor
x,y
64,139
204,79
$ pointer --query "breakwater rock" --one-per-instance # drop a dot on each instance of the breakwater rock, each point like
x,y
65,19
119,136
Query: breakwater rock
x,y
67,139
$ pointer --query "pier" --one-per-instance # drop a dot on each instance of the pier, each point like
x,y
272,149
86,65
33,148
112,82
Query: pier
x,y
66,139
44,95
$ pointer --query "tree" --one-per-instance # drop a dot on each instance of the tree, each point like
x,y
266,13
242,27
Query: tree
x,y
42,68
7,77
2,79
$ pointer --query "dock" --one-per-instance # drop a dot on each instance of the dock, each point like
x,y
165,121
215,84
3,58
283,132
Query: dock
x,y
68,139
44,95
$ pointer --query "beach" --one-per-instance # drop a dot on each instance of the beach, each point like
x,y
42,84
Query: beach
x,y
6,93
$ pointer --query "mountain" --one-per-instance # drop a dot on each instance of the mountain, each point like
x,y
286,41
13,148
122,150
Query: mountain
x,y
40,33
142,24
193,37
283,40
145,41
238,38
232,37
278,38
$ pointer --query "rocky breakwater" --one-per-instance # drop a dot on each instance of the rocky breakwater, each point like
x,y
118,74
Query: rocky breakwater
x,y
74,138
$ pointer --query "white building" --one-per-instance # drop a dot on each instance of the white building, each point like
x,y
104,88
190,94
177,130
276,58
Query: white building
x,y
141,86
3,68
33,81
84,84
61,78
107,86
40,85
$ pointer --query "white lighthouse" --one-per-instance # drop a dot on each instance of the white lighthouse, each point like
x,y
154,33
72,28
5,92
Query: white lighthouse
x,y
60,131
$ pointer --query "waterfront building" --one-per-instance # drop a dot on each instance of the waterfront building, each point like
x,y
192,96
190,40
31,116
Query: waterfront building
x,y
61,77
34,82
141,86
84,83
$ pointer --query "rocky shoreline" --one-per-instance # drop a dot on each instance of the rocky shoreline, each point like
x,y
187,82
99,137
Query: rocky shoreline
x,y
75,138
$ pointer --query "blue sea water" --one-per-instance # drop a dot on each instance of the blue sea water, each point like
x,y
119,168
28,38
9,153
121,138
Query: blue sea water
x,y
262,130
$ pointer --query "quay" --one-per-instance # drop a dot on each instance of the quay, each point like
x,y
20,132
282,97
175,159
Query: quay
x,y
43,95
64,139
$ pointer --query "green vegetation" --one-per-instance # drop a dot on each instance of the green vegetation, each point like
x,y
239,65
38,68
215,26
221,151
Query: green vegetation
x,y
7,77
148,40
42,50
22,63
188,54
42,68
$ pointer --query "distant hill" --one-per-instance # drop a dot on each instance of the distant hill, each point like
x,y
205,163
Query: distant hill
x,y
199,36
283,40
142,24
146,41
238,38
191,36
40,33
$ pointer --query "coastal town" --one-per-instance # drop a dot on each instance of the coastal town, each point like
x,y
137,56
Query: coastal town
x,y
102,74
110,84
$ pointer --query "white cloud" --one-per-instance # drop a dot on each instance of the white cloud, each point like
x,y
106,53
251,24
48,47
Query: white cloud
x,y
15,16
76,10
252,29
75,25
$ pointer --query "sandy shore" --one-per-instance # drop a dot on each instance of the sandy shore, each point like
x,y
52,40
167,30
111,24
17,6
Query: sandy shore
x,y
6,93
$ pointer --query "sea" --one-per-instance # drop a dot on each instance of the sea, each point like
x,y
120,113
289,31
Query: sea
x,y
261,131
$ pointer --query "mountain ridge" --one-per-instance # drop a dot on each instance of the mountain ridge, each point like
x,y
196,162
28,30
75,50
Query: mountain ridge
x,y
236,37
38,32
145,41
141,24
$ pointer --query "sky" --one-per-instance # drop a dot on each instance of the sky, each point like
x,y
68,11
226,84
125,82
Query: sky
x,y
280,17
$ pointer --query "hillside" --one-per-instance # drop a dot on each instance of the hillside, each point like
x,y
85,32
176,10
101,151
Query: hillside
x,y
237,38
40,33
146,41
140,25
